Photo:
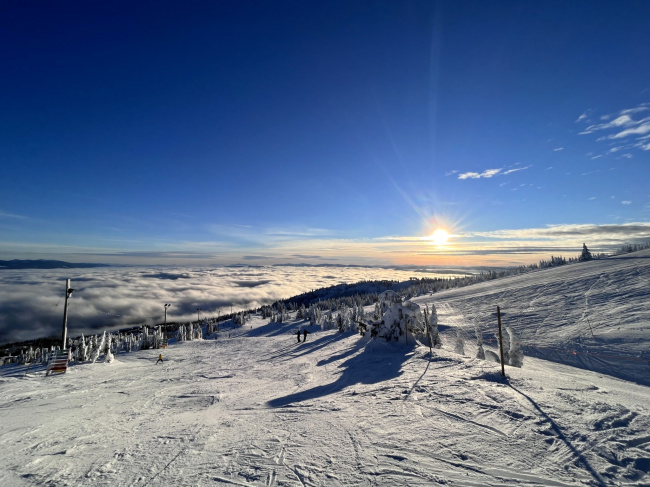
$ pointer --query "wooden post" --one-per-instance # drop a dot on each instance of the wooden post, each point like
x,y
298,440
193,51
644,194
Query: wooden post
x,y
427,322
503,370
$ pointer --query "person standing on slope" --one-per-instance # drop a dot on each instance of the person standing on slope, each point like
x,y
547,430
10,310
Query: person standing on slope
x,y
304,336
159,358
298,335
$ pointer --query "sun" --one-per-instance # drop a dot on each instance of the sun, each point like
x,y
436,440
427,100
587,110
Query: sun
x,y
439,237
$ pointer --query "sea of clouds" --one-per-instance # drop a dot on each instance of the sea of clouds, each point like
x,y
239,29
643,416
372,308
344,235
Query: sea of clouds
x,y
109,298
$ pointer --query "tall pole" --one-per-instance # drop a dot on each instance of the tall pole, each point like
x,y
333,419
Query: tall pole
x,y
503,370
166,306
198,317
64,333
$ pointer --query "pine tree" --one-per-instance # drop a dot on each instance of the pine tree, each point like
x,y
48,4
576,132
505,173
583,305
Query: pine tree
x,y
585,255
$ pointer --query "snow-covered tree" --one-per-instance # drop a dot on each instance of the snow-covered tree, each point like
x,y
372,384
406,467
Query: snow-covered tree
x,y
585,255
301,314
433,323
480,352
398,319
506,347
108,355
459,347
516,353
98,348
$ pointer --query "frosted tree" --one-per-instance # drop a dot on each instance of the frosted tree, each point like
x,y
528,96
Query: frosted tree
x,y
480,353
300,315
516,353
98,348
459,347
433,323
506,348
108,355
82,351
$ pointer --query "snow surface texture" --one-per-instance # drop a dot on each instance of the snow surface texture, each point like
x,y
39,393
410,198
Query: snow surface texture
x,y
253,407
594,315
256,408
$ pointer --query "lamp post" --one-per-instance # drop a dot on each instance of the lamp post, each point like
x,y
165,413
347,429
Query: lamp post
x,y
68,292
198,316
166,306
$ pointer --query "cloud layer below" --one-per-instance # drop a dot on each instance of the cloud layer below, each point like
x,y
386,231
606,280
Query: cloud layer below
x,y
31,301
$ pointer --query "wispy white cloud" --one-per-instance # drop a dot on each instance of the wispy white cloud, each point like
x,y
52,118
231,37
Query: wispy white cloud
x,y
451,173
582,117
558,149
626,202
5,214
488,173
626,124
510,171
640,129
622,121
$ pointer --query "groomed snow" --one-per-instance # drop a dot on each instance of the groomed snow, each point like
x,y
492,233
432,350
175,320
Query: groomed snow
x,y
593,315
257,408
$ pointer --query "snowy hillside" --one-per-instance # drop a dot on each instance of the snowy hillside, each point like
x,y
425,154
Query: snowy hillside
x,y
257,408
594,315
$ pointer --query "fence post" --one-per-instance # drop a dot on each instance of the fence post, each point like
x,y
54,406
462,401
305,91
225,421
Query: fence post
x,y
503,370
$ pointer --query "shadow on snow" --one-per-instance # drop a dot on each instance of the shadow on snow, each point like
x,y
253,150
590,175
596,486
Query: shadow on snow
x,y
376,362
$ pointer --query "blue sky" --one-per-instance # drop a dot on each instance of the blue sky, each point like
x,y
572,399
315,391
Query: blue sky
x,y
323,132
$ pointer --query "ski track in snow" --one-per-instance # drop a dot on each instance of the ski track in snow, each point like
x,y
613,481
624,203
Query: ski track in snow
x,y
262,410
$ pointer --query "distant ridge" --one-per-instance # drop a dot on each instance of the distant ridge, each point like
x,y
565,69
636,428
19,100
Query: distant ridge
x,y
44,264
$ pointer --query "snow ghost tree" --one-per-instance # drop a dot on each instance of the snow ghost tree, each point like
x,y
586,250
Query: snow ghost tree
x,y
506,347
516,353
459,348
400,318
98,347
108,355
480,353
433,323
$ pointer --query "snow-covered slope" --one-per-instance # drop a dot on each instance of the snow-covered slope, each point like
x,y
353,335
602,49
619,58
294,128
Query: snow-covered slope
x,y
593,314
260,409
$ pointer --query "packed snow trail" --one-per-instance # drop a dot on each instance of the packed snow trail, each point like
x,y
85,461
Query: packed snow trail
x,y
260,409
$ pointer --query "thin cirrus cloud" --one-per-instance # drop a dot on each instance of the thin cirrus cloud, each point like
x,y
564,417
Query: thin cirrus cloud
x,y
630,126
490,173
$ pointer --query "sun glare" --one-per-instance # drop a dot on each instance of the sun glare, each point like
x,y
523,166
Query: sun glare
x,y
439,237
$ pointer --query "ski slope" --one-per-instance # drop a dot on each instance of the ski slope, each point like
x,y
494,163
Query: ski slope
x,y
594,315
255,408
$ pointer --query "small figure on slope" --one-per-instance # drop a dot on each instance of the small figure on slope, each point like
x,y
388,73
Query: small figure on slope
x,y
298,335
159,358
304,335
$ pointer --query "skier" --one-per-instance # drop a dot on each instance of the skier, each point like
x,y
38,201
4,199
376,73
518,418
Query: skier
x,y
159,358
298,335
304,335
